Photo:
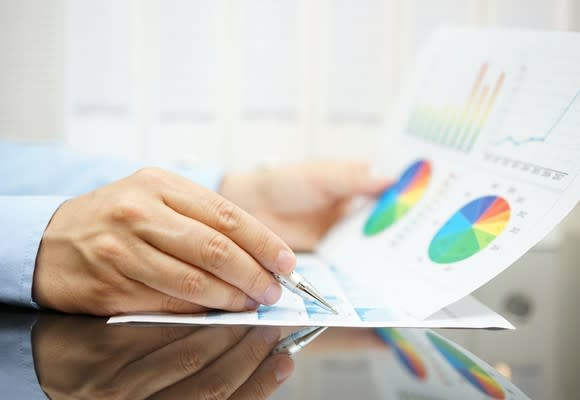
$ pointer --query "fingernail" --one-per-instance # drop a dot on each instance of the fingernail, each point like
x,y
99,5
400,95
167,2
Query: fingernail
x,y
283,369
272,294
285,262
271,334
251,304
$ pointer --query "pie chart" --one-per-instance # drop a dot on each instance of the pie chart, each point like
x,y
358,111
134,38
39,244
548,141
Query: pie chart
x,y
467,368
405,352
399,198
470,230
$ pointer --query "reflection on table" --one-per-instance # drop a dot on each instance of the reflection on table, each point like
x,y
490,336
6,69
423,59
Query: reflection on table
x,y
82,357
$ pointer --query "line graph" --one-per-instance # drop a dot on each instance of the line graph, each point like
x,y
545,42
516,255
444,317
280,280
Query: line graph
x,y
541,138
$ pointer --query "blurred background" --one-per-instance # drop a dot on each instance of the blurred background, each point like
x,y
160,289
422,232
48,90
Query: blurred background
x,y
239,84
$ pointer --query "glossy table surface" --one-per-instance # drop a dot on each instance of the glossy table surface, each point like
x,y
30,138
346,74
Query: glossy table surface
x,y
44,354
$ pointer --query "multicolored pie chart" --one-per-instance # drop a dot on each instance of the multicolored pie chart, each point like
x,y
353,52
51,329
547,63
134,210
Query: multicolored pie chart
x,y
467,368
404,351
399,198
470,230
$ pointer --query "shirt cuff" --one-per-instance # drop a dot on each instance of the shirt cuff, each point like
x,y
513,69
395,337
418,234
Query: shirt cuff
x,y
24,219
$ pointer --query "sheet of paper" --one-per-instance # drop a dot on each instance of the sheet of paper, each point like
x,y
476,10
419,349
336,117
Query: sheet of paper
x,y
357,307
485,157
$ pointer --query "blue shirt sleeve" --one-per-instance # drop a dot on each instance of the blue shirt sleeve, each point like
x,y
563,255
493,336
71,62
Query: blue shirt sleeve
x,y
34,181
49,169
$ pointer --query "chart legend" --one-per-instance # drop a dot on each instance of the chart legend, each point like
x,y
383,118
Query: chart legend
x,y
470,230
398,199
468,368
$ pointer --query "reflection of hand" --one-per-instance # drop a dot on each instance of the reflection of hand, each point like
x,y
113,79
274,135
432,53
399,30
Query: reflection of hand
x,y
301,202
156,242
82,358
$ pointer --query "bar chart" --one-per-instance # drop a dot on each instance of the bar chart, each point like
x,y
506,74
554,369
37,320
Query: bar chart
x,y
457,126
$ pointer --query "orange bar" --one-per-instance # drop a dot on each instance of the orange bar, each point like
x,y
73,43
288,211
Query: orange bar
x,y
459,124
488,108
473,116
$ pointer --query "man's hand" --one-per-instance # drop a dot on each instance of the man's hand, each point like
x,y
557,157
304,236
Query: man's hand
x,y
302,202
157,242
83,358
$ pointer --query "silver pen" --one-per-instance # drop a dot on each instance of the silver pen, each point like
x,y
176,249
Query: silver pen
x,y
297,284
298,340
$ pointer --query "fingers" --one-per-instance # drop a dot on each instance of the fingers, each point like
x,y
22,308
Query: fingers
x,y
145,299
180,287
197,244
180,359
267,378
225,217
229,372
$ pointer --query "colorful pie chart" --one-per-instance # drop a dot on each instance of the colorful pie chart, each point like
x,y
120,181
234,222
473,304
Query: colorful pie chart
x,y
470,230
405,352
467,368
399,198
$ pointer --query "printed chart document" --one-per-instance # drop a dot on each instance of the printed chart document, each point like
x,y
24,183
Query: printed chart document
x,y
356,305
485,155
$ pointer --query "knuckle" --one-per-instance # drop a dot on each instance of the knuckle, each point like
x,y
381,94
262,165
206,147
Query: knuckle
x,y
217,388
190,359
217,251
126,211
108,247
192,285
237,334
255,354
258,281
170,333
170,304
150,175
227,216
261,246
236,301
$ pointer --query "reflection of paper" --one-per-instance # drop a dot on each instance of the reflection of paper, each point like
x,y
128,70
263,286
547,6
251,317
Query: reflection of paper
x,y
425,365
358,308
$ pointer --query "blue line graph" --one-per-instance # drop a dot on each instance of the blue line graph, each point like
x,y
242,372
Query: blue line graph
x,y
544,137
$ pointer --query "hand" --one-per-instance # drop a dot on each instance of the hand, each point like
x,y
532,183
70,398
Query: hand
x,y
83,358
300,203
157,242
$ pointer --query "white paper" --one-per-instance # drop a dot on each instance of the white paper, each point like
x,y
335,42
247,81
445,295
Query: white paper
x,y
356,308
515,139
